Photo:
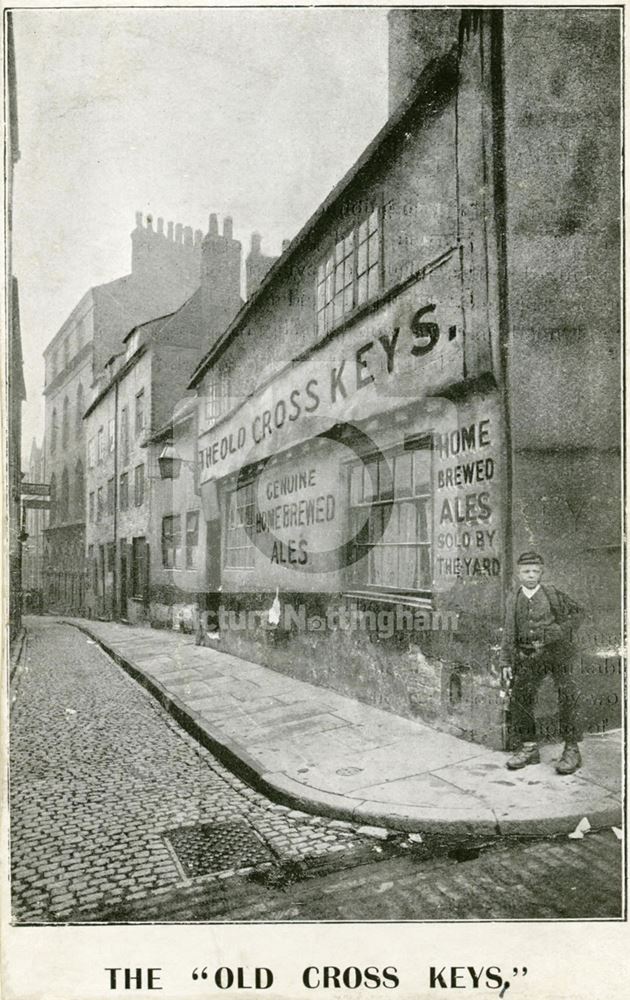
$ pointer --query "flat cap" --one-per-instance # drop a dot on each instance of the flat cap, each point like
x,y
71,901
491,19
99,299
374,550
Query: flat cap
x,y
527,558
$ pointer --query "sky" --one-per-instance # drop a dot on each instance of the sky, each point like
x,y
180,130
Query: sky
x,y
254,113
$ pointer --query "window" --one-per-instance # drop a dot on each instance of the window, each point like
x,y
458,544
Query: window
x,y
171,540
91,506
192,538
65,421
111,436
99,504
91,453
350,274
79,491
139,567
217,398
100,450
393,495
64,500
66,352
124,491
79,412
140,412
124,434
239,548
138,485
53,499
111,556
90,554
53,431
110,495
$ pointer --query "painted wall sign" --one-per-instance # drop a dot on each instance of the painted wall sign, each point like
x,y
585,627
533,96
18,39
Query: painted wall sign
x,y
467,499
410,346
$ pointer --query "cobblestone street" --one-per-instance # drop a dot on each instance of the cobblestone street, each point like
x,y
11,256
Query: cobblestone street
x,y
117,815
100,773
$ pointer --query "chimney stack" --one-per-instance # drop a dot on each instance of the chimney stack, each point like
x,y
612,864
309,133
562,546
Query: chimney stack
x,y
220,277
256,265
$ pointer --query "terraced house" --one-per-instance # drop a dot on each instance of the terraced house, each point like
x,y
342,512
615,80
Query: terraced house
x,y
134,522
164,272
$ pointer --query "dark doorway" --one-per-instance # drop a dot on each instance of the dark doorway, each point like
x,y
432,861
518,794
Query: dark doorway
x,y
213,572
122,605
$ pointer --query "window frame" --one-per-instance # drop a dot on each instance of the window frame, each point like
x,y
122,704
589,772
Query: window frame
x,y
171,540
123,491
138,477
191,548
124,434
358,573
342,261
139,413
100,504
235,529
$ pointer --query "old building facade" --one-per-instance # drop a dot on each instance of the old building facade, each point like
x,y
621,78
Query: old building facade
x,y
404,408
143,539
164,272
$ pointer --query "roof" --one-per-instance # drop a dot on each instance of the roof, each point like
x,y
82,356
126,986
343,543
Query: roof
x,y
438,77
183,415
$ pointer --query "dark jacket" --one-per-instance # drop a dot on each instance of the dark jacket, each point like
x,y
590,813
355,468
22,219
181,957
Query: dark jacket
x,y
559,639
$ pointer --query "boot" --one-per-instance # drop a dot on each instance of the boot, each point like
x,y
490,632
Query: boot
x,y
570,760
528,754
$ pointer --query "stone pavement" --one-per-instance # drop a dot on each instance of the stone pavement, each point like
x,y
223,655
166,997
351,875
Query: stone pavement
x,y
321,752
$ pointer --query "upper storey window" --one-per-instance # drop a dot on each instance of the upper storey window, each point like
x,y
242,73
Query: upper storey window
x,y
351,273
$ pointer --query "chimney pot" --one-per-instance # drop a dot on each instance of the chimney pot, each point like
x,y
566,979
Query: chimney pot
x,y
160,228
170,231
178,232
256,242
227,227
150,223
198,237
188,236
213,225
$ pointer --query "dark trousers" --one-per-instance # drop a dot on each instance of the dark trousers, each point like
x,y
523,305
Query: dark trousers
x,y
529,671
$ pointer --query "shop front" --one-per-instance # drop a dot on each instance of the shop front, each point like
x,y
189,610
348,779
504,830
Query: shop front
x,y
359,498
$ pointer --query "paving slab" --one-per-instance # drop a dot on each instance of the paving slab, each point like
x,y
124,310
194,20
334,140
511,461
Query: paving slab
x,y
324,753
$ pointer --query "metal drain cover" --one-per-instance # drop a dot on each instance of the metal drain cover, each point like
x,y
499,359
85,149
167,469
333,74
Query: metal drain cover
x,y
215,847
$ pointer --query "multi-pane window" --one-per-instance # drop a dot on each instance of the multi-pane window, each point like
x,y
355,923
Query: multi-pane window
x,y
110,495
91,506
140,412
350,274
391,497
124,434
217,396
192,538
99,504
138,485
239,547
100,445
124,491
171,540
53,431
91,453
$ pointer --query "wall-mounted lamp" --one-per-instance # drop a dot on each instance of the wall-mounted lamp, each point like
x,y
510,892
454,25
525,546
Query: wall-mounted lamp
x,y
170,464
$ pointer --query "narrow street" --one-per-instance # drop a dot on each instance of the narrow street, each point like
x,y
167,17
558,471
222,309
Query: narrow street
x,y
118,815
